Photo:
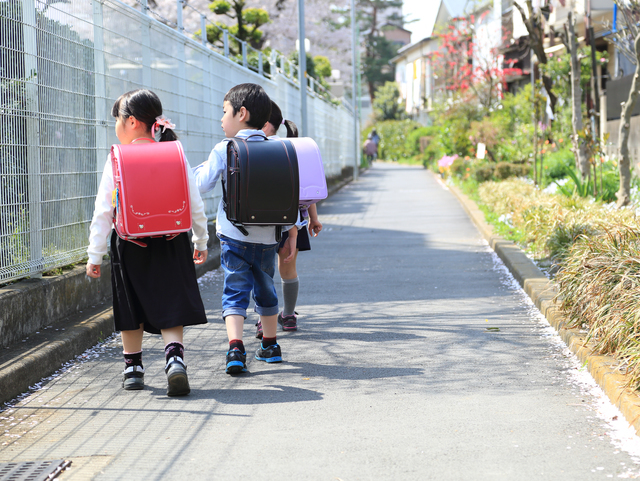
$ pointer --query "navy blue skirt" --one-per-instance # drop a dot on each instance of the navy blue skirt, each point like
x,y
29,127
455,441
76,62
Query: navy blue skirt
x,y
155,285
303,243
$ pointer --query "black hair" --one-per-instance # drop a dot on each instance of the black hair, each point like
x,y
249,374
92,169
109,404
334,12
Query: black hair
x,y
145,106
253,98
276,120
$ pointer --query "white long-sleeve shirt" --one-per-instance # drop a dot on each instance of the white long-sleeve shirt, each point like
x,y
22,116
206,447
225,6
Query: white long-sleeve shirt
x,y
102,221
209,172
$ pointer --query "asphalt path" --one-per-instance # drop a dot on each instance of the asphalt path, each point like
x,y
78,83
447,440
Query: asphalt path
x,y
418,357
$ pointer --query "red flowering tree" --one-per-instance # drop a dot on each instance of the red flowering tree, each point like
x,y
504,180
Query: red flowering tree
x,y
469,63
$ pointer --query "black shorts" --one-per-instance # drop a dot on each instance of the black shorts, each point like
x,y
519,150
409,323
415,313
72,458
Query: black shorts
x,y
303,239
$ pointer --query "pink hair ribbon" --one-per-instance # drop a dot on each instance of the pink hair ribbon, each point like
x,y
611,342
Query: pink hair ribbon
x,y
161,122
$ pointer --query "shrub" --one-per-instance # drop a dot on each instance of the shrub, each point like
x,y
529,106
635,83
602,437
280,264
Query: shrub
x,y
504,170
484,173
556,165
413,139
459,166
393,138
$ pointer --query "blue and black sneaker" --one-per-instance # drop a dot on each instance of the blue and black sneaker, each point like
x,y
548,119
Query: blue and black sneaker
x,y
269,353
236,361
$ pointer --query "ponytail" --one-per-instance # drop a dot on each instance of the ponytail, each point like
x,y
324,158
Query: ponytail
x,y
292,129
276,119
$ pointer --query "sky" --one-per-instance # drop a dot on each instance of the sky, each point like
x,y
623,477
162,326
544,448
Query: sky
x,y
424,11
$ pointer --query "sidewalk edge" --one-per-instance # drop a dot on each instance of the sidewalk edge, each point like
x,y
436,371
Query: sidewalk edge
x,y
542,291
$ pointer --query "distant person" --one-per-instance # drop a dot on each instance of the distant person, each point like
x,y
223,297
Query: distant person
x,y
248,261
370,150
155,288
375,137
288,272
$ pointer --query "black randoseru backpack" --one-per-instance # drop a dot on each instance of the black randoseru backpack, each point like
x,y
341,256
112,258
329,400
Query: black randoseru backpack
x,y
263,184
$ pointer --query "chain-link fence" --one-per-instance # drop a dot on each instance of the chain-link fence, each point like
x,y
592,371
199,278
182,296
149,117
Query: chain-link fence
x,y
63,64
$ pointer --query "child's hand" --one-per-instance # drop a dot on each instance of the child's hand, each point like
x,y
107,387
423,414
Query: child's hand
x,y
291,244
93,270
315,226
199,256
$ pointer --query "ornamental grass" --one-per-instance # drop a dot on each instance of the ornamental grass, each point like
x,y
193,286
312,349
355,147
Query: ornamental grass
x,y
550,222
599,290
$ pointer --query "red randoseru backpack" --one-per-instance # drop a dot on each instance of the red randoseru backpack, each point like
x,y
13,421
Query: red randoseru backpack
x,y
151,193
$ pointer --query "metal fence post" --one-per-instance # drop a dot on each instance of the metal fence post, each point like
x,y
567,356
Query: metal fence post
x,y
145,42
203,29
354,91
100,89
302,69
260,66
145,7
225,41
179,16
244,54
36,261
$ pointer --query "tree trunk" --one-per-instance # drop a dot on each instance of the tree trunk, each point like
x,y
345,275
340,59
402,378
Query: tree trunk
x,y
579,148
536,38
624,161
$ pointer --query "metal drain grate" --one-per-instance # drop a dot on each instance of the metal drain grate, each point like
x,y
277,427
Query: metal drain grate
x,y
32,470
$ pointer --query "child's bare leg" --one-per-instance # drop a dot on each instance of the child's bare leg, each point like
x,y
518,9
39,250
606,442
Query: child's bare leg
x,y
288,270
173,334
269,326
235,324
132,340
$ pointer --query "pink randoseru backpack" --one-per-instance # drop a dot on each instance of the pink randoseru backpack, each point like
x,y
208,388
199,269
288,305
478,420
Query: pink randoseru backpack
x,y
151,189
313,184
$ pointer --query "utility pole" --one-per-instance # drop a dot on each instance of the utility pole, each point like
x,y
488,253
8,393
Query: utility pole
x,y
535,119
302,68
354,94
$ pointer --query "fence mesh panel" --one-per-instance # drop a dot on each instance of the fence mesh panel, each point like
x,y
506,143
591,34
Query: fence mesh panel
x,y
62,65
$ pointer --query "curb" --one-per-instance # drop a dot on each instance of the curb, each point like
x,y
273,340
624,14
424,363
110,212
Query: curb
x,y
43,353
542,292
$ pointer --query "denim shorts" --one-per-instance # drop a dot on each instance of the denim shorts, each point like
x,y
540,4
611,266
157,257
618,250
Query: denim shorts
x,y
248,267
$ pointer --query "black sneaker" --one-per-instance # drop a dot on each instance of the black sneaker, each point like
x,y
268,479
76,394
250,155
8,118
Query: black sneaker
x,y
177,380
236,361
288,323
133,378
269,354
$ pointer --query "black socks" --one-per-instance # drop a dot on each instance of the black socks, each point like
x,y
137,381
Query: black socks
x,y
268,341
174,349
236,343
133,359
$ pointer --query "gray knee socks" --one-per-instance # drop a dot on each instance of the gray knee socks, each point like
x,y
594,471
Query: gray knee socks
x,y
290,295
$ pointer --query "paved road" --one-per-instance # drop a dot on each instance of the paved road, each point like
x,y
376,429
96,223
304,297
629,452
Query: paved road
x,y
392,375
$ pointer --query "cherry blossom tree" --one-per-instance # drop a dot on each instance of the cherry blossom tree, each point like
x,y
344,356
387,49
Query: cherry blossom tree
x,y
468,67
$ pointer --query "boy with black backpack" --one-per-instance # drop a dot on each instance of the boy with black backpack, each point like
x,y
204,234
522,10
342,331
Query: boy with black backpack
x,y
248,258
